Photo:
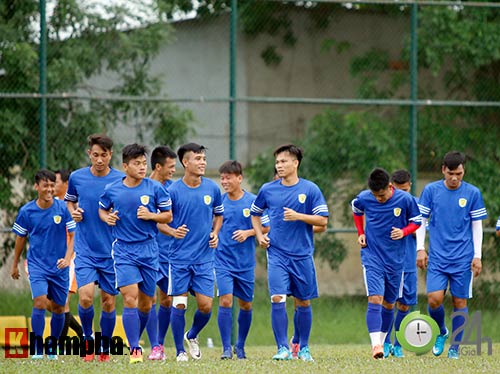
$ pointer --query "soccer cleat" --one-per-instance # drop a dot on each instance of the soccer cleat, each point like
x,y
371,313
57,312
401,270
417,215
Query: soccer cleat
x,y
37,357
397,351
157,353
439,345
227,354
453,353
88,357
378,352
283,354
194,347
240,353
136,355
387,349
182,357
294,347
305,355
52,357
104,357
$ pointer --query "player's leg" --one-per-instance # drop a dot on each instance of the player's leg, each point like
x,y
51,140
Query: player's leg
x,y
178,287
130,318
294,340
39,290
374,284
244,290
393,289
107,282
164,312
225,288
437,282
404,305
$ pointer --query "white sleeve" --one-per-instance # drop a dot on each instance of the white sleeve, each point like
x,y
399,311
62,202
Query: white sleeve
x,y
421,234
477,237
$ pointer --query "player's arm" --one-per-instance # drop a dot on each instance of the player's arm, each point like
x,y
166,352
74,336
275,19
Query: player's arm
x,y
317,229
311,219
262,239
214,235
18,249
75,211
422,258
477,241
178,233
66,261
158,217
109,216
359,222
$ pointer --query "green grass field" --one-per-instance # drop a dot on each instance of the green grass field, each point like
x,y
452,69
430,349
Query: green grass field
x,y
339,358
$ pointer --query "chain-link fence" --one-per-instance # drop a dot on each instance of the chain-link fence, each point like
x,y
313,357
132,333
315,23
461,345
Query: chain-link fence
x,y
395,84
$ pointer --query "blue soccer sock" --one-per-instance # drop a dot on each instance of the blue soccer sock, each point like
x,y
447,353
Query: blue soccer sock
x,y
244,322
437,315
387,320
225,322
279,322
374,317
86,318
178,323
56,326
152,327
305,324
108,322
143,321
400,315
37,326
163,322
200,320
456,324
131,325
296,336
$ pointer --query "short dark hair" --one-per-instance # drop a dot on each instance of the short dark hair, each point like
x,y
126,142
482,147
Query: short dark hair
x,y
378,179
64,174
231,167
401,176
132,151
101,140
160,155
189,147
454,159
294,150
44,175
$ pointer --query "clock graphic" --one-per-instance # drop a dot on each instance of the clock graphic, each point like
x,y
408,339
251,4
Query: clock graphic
x,y
417,333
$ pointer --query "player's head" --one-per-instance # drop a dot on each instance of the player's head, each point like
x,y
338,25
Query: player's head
x,y
193,159
231,175
379,184
287,159
163,161
135,163
45,181
100,151
401,179
62,177
453,169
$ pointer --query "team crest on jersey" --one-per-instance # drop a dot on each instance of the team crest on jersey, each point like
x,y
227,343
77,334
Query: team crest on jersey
x,y
57,219
397,212
207,199
302,198
246,212
462,202
144,199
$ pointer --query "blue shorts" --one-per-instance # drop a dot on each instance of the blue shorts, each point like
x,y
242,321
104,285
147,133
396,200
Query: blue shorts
x,y
237,283
98,270
132,268
162,279
292,276
198,278
409,289
459,276
55,286
379,282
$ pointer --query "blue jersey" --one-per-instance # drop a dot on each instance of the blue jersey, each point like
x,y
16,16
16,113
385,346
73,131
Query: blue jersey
x,y
126,200
165,241
398,211
230,254
195,208
451,214
498,224
85,189
46,229
410,264
290,238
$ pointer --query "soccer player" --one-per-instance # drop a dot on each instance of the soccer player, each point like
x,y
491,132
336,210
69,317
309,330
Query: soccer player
x,y
197,209
456,210
498,227
294,206
401,180
235,259
391,215
163,161
133,207
45,221
93,238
